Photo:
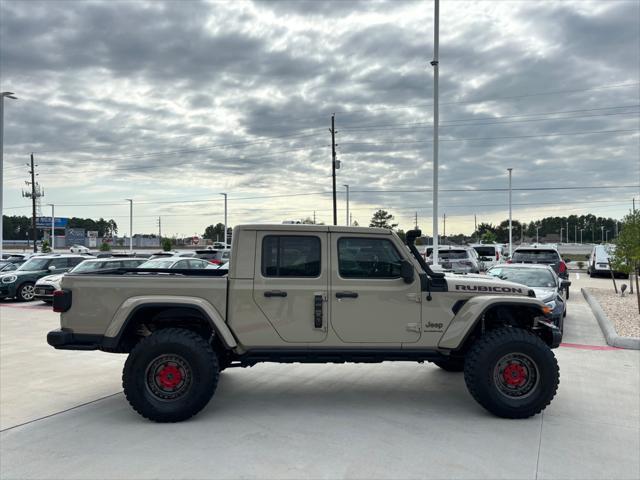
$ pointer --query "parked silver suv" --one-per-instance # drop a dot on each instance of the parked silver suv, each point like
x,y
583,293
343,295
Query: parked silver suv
x,y
457,259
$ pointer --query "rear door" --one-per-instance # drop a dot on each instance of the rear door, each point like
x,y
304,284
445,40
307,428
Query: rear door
x,y
370,302
291,282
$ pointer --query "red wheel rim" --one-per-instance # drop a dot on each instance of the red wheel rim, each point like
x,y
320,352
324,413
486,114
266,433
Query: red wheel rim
x,y
516,375
168,377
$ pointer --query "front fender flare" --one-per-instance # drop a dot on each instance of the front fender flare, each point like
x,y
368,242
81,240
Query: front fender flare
x,y
473,310
131,305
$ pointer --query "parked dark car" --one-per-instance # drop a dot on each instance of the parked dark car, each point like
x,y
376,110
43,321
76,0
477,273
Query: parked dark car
x,y
20,283
542,279
542,255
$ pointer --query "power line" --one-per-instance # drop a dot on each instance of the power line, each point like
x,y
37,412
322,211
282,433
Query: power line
x,y
506,137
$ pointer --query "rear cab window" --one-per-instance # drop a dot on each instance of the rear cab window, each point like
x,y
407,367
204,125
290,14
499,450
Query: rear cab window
x,y
536,256
486,252
290,256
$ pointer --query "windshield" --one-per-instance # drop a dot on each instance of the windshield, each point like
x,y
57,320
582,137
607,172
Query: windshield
x,y
485,251
92,266
531,277
535,256
34,264
157,264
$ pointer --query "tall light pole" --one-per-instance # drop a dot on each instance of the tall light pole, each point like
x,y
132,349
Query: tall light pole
x,y
347,187
561,230
13,97
581,230
606,236
224,236
53,226
435,64
130,224
602,231
510,233
537,230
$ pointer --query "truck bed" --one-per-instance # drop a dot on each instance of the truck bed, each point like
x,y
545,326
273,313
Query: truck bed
x,y
105,297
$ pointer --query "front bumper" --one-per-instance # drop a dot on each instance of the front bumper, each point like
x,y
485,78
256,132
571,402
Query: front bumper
x,y
62,339
7,290
44,292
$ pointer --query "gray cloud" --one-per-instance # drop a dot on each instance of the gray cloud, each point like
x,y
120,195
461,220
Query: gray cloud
x,y
185,99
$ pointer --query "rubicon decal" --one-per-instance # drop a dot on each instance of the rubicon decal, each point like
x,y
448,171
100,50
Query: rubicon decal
x,y
484,288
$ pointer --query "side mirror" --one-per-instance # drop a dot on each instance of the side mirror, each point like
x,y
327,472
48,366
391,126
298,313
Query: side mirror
x,y
565,283
51,268
407,272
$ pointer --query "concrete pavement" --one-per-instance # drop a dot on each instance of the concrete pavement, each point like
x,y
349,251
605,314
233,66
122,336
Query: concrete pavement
x,y
391,420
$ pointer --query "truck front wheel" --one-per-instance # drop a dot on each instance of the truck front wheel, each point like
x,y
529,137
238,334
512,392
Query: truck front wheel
x,y
170,375
512,373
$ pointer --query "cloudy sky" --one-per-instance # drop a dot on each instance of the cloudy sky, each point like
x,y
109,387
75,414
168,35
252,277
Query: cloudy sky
x,y
172,103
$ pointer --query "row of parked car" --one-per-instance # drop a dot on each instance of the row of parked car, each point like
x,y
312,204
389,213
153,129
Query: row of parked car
x,y
29,277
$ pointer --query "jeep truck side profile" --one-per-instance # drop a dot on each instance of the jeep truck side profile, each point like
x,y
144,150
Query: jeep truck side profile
x,y
310,293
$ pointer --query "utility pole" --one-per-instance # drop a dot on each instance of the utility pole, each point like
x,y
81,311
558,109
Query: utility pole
x,y
475,225
444,226
602,231
333,166
416,221
160,229
314,217
224,237
537,236
435,65
581,230
521,233
510,233
561,230
347,187
575,233
34,195
53,227
13,97
130,224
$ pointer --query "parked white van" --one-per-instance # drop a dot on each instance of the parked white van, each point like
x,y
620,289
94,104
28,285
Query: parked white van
x,y
599,260
490,254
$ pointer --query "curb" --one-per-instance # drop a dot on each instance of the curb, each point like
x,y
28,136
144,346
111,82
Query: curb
x,y
606,326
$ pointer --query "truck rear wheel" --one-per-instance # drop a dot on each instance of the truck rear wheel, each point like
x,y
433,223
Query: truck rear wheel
x,y
170,375
512,373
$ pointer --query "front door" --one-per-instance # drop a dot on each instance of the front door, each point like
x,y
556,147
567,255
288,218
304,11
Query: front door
x,y
370,301
291,282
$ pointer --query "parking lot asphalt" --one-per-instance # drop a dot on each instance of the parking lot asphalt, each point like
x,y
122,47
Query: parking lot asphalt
x,y
63,415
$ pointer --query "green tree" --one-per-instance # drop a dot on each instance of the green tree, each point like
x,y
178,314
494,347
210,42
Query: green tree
x,y
488,237
382,219
105,247
166,244
627,254
45,247
215,233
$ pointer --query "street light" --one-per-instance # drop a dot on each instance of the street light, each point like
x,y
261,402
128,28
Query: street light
x,y
581,230
347,187
53,226
130,224
602,231
13,97
224,235
510,233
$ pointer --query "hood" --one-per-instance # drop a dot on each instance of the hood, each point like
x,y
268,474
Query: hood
x,y
544,293
51,278
483,284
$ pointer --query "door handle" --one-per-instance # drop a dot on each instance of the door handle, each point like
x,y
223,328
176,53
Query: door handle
x,y
275,293
346,294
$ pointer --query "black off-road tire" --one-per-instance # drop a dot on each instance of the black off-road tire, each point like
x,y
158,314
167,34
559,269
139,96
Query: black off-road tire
x,y
164,358
487,382
451,364
23,294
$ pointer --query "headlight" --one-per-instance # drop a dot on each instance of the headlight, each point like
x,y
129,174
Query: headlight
x,y
9,279
551,304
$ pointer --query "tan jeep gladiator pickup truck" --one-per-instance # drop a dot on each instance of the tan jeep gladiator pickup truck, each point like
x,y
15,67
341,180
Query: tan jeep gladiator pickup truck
x,y
310,293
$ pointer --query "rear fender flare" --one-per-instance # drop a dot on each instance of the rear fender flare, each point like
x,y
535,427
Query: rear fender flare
x,y
129,307
472,311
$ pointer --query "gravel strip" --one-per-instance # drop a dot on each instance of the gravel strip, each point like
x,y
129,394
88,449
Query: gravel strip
x,y
622,311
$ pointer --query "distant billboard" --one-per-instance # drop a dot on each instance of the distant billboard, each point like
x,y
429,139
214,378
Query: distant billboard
x,y
74,236
45,222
